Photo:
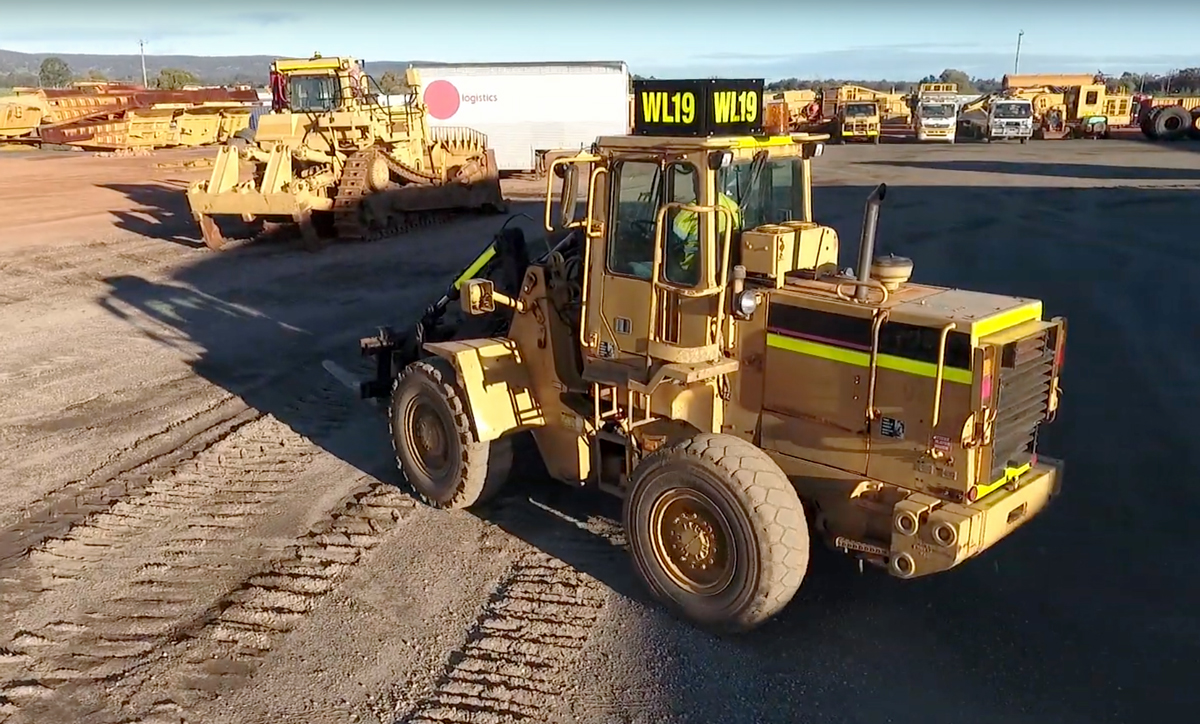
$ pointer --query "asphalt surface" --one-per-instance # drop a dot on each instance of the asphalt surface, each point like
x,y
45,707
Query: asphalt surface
x,y
201,524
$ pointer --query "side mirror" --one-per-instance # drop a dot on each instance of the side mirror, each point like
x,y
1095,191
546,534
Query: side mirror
x,y
569,173
477,296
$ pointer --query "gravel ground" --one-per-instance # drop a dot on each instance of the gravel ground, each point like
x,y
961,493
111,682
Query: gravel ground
x,y
200,525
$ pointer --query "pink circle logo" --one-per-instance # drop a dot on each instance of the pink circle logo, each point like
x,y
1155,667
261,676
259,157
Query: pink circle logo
x,y
442,99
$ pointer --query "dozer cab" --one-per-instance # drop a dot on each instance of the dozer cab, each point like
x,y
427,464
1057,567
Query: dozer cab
x,y
689,344
337,161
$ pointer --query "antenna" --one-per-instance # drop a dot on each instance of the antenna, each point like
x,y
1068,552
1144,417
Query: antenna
x,y
142,48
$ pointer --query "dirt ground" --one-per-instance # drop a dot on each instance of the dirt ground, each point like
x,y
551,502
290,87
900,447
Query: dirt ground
x,y
199,524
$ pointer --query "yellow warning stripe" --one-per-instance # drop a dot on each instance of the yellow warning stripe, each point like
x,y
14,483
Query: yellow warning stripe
x,y
752,142
476,265
1010,474
863,359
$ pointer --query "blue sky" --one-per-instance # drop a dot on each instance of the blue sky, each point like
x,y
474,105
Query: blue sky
x,y
663,37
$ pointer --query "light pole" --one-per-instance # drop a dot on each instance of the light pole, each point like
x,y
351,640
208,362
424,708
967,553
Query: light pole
x,y
1017,59
142,48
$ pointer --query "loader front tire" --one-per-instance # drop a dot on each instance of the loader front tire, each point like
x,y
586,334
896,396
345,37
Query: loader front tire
x,y
716,532
435,445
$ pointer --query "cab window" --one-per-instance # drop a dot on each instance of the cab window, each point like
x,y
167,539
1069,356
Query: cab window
x,y
680,259
641,188
309,93
772,196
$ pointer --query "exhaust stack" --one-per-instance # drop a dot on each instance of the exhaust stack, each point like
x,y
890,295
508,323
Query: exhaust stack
x,y
866,245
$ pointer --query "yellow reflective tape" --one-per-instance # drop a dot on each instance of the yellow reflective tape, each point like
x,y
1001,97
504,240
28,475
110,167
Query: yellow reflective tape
x,y
1004,320
1009,474
283,66
476,265
863,359
752,142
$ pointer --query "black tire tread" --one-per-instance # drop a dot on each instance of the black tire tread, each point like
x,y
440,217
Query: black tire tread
x,y
773,507
483,466
1177,112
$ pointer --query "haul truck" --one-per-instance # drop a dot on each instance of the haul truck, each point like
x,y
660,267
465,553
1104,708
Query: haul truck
x,y
689,345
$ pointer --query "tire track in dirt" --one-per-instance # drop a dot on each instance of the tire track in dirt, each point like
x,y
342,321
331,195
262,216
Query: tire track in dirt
x,y
515,661
125,474
512,665
207,505
128,473
227,644
161,538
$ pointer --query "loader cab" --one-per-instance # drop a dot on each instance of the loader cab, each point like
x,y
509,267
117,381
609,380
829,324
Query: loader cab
x,y
663,212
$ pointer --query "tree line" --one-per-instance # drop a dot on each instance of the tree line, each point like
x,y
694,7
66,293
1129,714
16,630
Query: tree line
x,y
55,73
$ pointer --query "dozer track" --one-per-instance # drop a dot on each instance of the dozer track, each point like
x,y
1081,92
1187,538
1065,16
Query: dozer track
x,y
361,214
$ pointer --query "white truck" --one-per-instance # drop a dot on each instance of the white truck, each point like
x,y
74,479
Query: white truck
x,y
999,118
528,109
935,118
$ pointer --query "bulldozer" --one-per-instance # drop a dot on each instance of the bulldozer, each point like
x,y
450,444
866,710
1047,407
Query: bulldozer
x,y
336,159
688,343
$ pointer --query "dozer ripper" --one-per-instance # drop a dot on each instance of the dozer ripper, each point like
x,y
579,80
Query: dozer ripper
x,y
334,160
688,344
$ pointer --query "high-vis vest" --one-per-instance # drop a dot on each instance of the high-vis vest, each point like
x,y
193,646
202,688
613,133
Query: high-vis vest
x,y
687,225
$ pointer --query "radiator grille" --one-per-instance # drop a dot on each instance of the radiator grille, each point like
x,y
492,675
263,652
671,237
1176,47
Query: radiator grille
x,y
1022,401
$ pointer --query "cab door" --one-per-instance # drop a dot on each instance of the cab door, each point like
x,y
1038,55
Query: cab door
x,y
620,291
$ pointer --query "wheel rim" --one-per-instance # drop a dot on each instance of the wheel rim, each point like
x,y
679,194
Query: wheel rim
x,y
428,438
692,541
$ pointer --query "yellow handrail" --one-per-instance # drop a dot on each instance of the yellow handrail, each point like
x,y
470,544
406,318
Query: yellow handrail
x,y
581,157
941,365
656,269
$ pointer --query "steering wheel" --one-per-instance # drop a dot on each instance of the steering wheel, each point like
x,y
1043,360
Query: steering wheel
x,y
644,226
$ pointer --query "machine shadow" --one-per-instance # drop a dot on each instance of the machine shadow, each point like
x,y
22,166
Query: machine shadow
x,y
1081,601
162,214
1057,170
259,320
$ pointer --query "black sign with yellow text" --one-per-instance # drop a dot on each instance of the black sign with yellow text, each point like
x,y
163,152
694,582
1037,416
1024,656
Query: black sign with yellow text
x,y
712,107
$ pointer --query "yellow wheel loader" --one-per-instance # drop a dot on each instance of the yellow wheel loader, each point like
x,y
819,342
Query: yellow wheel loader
x,y
689,344
335,158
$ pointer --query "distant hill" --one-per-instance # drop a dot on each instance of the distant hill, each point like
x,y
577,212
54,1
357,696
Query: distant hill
x,y
22,68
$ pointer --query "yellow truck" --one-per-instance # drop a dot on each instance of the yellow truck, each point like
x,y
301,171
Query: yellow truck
x,y
858,121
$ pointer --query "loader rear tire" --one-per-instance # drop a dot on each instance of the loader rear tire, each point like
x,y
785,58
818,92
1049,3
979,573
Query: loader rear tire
x,y
716,532
435,445
1194,132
